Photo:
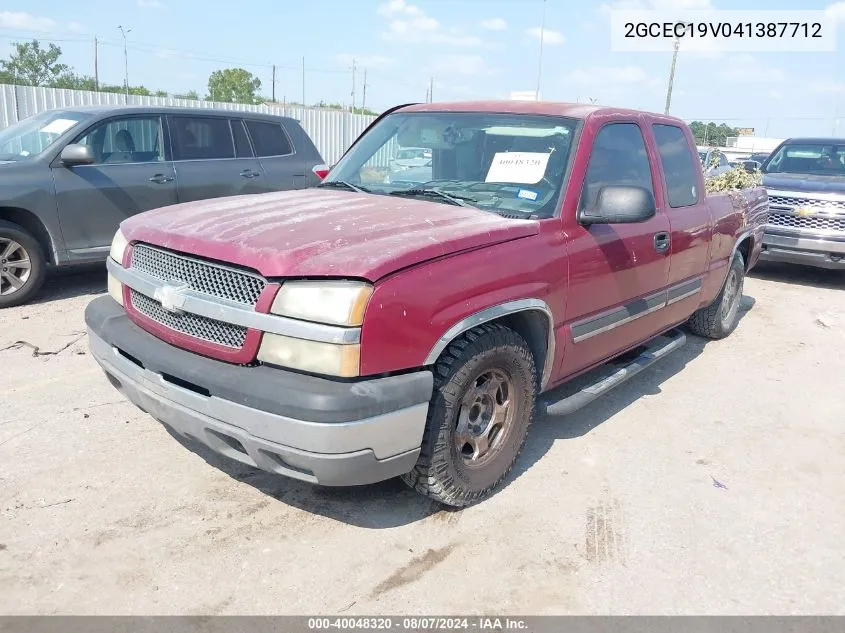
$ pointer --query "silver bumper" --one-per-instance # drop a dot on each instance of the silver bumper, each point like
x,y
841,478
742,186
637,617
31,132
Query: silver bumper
x,y
331,454
822,253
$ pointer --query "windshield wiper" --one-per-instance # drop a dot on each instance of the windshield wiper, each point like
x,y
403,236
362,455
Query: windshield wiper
x,y
345,185
451,198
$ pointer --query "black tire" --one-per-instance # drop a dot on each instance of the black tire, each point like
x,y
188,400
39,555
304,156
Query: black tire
x,y
451,476
720,318
27,248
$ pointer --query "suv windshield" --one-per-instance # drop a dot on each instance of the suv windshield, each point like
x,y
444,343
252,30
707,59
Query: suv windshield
x,y
511,164
817,159
31,136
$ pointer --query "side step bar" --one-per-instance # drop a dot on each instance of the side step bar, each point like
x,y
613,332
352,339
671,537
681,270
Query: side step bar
x,y
653,351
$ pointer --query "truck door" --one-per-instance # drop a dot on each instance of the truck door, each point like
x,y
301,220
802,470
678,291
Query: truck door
x,y
689,216
618,272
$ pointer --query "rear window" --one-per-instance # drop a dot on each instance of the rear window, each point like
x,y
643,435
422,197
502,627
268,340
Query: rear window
x,y
269,139
679,167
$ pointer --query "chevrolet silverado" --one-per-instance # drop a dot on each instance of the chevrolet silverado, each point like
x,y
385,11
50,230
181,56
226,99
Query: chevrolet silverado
x,y
362,330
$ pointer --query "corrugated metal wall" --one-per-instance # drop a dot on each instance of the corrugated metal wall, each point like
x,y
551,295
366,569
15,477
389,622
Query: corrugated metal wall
x,y
332,131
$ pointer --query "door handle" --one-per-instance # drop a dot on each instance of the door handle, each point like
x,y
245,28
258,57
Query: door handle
x,y
248,173
661,241
161,179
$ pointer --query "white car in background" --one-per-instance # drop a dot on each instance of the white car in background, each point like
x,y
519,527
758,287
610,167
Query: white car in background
x,y
408,157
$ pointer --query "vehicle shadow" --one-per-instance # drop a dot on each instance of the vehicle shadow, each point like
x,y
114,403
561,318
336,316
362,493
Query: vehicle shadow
x,y
74,282
391,504
800,275
386,504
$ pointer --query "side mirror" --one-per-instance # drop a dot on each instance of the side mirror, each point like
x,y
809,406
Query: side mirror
x,y
620,204
75,154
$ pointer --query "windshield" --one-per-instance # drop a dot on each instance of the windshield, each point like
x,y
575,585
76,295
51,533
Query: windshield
x,y
31,136
817,159
511,164
702,156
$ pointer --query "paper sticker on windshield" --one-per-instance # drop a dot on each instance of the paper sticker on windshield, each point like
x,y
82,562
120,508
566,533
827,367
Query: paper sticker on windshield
x,y
527,194
59,126
525,168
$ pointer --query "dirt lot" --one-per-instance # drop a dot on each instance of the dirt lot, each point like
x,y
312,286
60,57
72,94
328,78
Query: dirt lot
x,y
712,483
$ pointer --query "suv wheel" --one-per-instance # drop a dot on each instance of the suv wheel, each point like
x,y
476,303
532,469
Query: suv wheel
x,y
22,265
483,401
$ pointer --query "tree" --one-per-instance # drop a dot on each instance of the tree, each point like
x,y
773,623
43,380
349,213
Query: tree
x,y
233,85
133,90
72,81
191,94
31,65
711,134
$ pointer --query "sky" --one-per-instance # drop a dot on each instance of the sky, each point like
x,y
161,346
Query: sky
x,y
466,49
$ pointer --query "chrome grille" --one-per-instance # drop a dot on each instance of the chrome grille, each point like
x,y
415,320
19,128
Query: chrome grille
x,y
201,276
821,205
807,223
200,327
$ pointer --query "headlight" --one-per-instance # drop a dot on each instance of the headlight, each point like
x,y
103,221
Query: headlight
x,y
312,356
118,247
329,302
115,289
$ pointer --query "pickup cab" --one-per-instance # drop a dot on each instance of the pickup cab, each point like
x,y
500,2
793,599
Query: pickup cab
x,y
360,330
805,181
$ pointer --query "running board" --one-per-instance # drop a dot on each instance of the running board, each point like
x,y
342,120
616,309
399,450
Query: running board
x,y
653,351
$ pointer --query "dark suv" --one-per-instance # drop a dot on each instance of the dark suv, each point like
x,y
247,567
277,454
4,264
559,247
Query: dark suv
x,y
69,177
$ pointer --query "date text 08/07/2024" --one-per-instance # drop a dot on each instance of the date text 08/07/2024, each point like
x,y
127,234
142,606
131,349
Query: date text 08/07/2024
x,y
417,623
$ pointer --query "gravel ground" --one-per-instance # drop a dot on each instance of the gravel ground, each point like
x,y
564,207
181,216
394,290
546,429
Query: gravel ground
x,y
711,483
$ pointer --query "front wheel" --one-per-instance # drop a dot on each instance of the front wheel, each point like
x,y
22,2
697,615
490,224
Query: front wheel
x,y
22,265
483,402
721,317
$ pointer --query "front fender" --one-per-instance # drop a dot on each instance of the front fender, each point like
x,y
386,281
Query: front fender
x,y
413,315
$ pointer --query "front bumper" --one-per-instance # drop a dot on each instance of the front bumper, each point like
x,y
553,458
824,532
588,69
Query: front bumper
x,y
821,253
327,432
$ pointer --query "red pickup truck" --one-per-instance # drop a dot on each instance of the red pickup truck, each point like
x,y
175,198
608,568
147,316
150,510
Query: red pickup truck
x,y
411,322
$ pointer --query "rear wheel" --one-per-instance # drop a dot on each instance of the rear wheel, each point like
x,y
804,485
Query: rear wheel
x,y
22,265
483,401
721,317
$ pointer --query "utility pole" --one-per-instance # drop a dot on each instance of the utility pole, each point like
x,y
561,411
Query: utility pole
x,y
125,59
426,95
540,58
273,97
431,91
353,85
96,66
364,95
672,75
303,81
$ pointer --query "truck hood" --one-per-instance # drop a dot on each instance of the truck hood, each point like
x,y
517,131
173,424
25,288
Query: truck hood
x,y
321,232
804,182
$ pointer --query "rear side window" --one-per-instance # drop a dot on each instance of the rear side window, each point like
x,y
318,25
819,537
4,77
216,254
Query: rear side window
x,y
242,148
679,165
269,139
202,138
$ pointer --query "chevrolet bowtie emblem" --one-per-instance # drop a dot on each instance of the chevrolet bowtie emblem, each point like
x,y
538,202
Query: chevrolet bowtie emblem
x,y
804,211
172,296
